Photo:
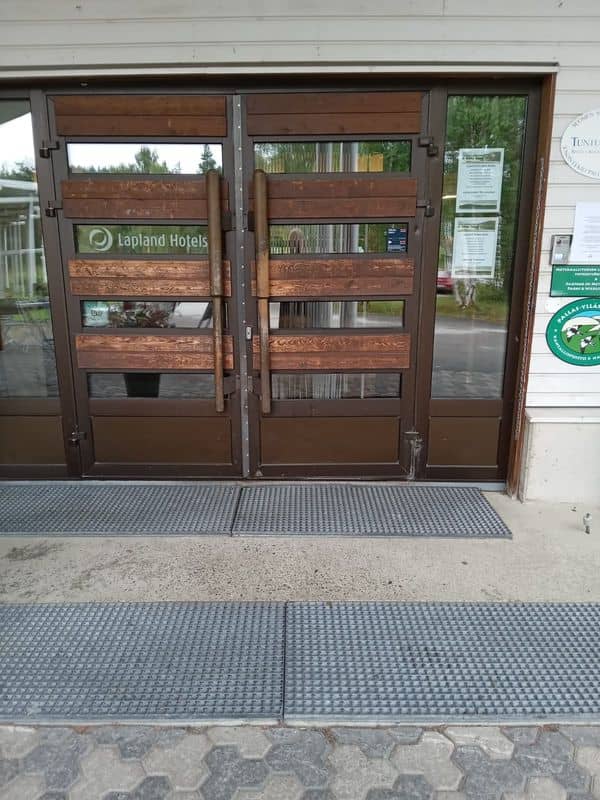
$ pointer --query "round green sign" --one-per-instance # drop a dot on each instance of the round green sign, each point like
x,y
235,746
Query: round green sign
x,y
573,333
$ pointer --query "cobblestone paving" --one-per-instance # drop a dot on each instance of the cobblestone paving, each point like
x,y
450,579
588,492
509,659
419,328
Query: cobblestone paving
x,y
253,763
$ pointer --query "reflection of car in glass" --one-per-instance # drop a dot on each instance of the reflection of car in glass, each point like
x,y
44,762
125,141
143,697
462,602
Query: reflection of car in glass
x,y
444,284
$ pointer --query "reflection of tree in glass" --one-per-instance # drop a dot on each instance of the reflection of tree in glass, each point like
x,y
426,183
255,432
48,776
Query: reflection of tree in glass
x,y
207,162
485,121
147,162
302,157
21,171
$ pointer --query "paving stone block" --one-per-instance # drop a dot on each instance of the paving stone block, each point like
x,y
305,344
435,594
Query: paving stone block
x,y
487,778
302,752
17,741
407,787
588,757
134,741
155,787
521,735
250,741
182,762
318,794
431,757
490,739
450,796
277,787
354,774
552,757
374,742
104,771
582,734
9,768
228,771
23,787
405,734
540,789
57,757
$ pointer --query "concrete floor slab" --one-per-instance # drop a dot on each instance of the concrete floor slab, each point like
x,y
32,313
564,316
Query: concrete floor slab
x,y
550,558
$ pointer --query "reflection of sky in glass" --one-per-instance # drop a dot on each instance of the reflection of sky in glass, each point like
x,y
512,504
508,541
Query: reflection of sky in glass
x,y
16,142
184,158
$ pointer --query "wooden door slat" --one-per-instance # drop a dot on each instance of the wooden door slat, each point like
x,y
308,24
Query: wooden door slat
x,y
122,351
355,208
340,277
140,105
340,186
173,125
335,351
90,278
333,102
342,123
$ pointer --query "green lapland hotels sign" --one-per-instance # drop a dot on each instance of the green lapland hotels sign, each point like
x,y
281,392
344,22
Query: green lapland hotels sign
x,y
573,333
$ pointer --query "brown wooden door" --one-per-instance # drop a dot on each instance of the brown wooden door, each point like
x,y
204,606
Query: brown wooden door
x,y
159,198
336,205
143,187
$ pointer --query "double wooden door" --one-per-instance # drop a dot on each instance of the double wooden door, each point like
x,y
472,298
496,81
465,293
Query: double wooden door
x,y
242,279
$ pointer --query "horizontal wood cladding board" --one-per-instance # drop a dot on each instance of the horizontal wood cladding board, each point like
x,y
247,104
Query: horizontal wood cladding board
x,y
334,113
337,196
94,278
340,277
152,352
141,115
132,198
311,351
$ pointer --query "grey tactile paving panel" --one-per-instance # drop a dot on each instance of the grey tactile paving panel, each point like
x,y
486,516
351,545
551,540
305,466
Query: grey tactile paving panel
x,y
442,662
343,509
141,661
111,509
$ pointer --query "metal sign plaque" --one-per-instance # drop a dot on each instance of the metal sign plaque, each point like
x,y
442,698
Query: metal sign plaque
x,y
572,280
580,144
573,333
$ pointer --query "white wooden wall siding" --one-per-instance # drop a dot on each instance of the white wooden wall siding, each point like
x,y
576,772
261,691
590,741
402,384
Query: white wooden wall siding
x,y
37,35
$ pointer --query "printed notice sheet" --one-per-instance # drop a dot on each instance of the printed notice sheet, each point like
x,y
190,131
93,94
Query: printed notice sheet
x,y
474,252
479,185
585,247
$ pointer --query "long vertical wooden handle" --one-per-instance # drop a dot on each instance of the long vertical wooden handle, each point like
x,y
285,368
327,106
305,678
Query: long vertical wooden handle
x,y
215,260
261,232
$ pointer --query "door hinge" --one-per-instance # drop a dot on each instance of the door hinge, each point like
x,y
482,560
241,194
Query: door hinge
x,y
51,209
415,446
47,147
77,436
429,143
429,209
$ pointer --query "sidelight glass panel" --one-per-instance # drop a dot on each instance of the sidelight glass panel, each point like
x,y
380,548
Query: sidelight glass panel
x,y
302,157
334,385
142,239
355,237
336,314
480,206
27,363
143,159
166,385
145,314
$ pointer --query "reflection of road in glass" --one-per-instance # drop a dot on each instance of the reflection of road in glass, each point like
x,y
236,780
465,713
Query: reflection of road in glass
x,y
468,358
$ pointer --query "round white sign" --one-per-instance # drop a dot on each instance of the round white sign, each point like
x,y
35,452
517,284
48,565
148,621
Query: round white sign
x,y
580,144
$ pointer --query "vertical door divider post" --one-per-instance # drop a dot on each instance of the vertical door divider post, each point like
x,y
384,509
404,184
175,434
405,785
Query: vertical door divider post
x,y
262,284
215,258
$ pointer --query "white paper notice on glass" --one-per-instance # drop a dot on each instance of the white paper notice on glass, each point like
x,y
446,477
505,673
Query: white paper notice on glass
x,y
474,250
479,185
585,247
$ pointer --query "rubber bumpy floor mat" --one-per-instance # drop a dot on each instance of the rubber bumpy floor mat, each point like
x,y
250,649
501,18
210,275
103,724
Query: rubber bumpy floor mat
x,y
116,509
442,662
338,509
140,661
